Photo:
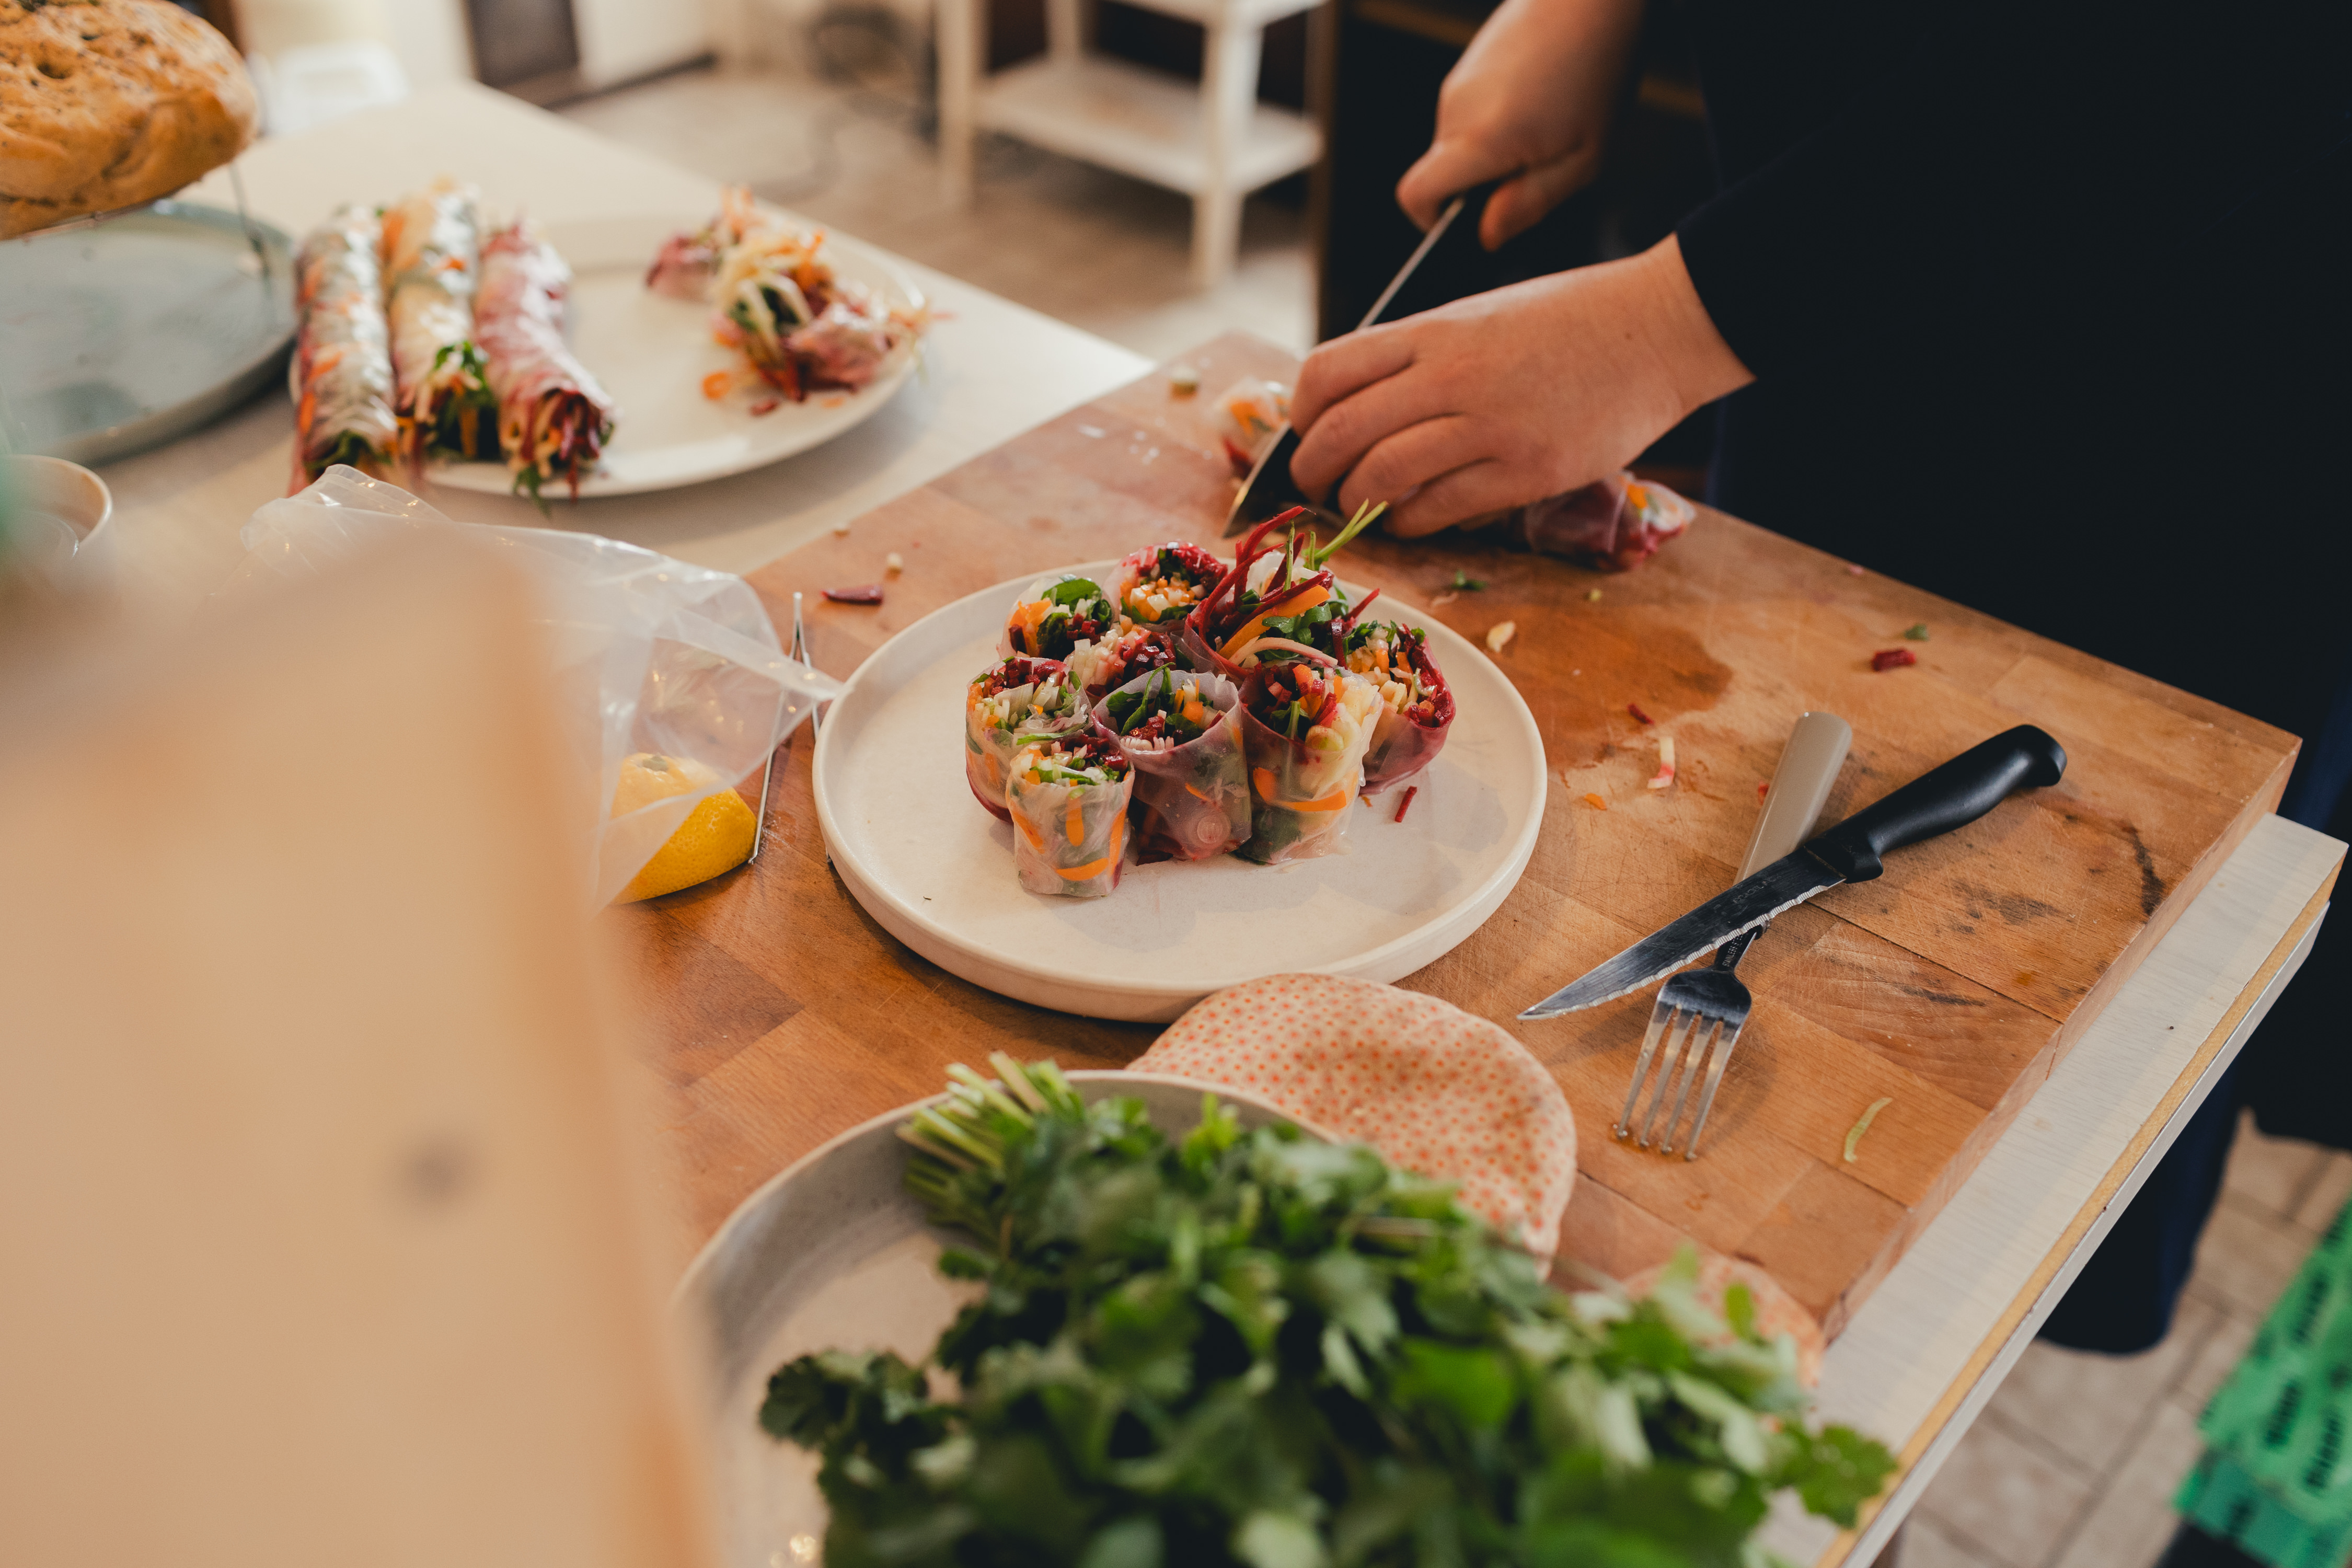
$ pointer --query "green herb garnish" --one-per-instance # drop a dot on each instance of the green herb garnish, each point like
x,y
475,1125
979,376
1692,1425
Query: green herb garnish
x,y
1467,583
1248,1348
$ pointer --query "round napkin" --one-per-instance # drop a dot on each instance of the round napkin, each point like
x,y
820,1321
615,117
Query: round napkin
x,y
1434,1088
1777,1312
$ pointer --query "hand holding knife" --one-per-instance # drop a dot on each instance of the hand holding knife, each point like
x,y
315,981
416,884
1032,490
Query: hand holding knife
x,y
1269,490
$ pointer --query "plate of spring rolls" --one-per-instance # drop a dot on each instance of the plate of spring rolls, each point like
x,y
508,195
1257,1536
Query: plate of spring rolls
x,y
441,342
1179,773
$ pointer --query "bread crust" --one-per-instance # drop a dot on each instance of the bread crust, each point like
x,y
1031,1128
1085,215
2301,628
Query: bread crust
x,y
108,103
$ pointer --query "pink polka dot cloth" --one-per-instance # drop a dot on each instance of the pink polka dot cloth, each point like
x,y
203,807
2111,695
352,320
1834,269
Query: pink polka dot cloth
x,y
1431,1087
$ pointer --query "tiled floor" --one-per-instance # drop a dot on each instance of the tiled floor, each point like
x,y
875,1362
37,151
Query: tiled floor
x,y
1094,248
2074,1462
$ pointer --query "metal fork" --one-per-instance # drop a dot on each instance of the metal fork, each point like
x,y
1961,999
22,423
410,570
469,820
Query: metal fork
x,y
1700,1012
799,651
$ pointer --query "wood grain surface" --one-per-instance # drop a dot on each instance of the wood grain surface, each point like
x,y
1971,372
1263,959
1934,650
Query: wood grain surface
x,y
782,1014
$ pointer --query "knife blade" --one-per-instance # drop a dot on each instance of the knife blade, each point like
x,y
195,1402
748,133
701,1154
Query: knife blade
x,y
1951,796
1270,490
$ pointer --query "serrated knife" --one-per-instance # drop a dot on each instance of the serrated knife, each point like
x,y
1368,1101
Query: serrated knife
x,y
1270,490
1949,796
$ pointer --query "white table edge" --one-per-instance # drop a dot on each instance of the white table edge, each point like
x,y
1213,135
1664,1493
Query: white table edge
x,y
2001,1255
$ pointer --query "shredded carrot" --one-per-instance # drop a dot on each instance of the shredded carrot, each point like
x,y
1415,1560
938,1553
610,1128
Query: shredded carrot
x,y
1073,826
1596,803
1036,839
715,384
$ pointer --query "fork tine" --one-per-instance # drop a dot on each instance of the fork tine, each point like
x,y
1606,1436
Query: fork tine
x,y
1659,1016
1713,1081
1677,1039
1706,1029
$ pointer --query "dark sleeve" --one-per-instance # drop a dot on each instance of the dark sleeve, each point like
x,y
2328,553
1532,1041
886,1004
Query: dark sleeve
x,y
2022,156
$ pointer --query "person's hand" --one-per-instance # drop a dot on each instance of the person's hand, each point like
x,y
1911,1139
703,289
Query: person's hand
x,y
1533,93
1510,396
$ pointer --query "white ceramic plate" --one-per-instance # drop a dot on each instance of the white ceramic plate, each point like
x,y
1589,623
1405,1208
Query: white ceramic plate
x,y
833,1255
936,870
652,352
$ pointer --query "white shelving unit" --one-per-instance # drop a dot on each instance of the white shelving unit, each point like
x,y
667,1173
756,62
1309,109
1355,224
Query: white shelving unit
x,y
1215,143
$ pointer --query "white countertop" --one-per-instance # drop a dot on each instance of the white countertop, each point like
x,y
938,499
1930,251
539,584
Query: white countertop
x,y
992,368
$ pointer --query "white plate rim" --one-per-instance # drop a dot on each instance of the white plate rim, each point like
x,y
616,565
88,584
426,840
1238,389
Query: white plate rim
x,y
691,1283
593,239
1131,1000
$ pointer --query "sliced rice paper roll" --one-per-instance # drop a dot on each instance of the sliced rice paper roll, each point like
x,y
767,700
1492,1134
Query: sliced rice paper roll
x,y
1416,703
1068,796
1180,732
1055,615
1158,587
1117,657
1005,703
1271,599
1305,728
432,245
553,417
341,374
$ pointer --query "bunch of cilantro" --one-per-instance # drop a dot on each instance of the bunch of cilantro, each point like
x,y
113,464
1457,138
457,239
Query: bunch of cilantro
x,y
1253,1347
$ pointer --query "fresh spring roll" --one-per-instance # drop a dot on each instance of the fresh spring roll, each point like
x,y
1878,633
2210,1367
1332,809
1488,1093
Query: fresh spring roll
x,y
1182,734
432,245
554,417
1069,797
341,371
1118,657
1271,599
1055,616
1305,728
1005,703
1416,704
1158,587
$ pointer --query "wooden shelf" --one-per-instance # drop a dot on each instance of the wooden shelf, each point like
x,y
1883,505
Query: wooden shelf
x,y
1137,121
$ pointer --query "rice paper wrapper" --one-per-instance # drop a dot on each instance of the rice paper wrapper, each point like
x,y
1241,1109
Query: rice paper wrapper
x,y
1068,841
1401,746
1301,791
1433,1088
1193,652
1191,801
988,750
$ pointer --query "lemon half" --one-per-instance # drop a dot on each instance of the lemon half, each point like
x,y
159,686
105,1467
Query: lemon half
x,y
716,836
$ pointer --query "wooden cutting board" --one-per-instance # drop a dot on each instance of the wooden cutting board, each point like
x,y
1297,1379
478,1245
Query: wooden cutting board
x,y
781,1013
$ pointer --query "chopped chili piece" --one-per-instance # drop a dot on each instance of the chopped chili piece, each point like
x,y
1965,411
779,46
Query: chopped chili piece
x,y
1635,710
864,593
1405,805
1888,658
1242,461
1595,801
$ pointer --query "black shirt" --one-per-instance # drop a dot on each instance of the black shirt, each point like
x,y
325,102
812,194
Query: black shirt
x,y
2051,309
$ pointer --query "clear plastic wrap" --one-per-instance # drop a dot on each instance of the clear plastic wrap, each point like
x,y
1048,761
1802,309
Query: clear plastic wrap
x,y
1305,729
1068,799
649,654
1192,796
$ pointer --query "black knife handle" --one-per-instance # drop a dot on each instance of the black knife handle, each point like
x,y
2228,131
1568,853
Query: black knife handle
x,y
1939,800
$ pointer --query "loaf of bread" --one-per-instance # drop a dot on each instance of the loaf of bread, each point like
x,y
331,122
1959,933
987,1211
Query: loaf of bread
x,y
108,103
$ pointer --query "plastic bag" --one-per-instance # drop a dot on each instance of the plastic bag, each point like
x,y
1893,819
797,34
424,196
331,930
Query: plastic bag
x,y
650,654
